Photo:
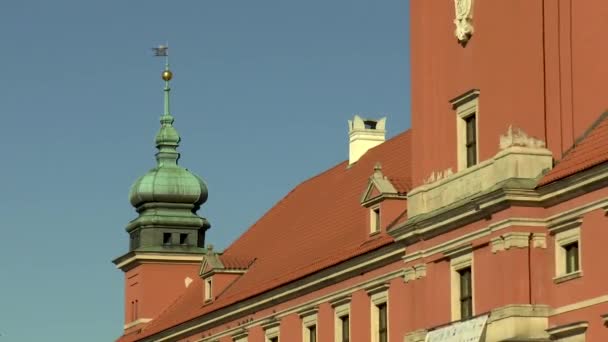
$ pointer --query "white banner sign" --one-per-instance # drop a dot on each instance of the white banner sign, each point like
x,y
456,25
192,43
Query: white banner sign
x,y
467,331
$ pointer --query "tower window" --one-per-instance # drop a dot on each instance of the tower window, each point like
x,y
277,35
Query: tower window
x,y
166,238
183,238
467,111
466,293
471,140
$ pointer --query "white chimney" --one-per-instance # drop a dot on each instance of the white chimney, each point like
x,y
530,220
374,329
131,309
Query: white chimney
x,y
363,135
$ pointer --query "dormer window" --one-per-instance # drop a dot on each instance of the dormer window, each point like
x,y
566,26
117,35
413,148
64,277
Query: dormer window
x,y
467,112
375,220
208,289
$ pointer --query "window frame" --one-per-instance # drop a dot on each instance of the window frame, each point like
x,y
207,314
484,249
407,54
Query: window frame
x,y
564,239
465,106
309,320
375,219
341,309
209,288
379,299
458,264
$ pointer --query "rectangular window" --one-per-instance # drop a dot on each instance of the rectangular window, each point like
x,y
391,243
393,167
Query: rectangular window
x,y
274,339
466,293
166,238
183,238
345,327
382,324
208,289
471,140
312,333
572,264
375,220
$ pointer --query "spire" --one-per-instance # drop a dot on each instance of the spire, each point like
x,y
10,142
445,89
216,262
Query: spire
x,y
167,139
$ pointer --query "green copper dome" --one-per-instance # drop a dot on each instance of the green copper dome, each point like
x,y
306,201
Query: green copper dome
x,y
168,182
169,185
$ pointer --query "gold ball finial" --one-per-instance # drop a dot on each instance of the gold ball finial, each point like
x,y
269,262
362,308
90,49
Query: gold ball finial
x,y
167,75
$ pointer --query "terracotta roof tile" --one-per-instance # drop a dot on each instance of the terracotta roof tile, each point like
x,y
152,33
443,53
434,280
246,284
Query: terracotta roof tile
x,y
590,150
318,224
236,263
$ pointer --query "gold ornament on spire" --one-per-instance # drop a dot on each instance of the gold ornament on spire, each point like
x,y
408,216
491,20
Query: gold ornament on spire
x,y
167,75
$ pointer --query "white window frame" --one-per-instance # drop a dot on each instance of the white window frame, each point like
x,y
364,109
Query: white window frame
x,y
456,265
377,299
373,218
340,311
466,105
271,332
308,321
240,338
208,288
563,239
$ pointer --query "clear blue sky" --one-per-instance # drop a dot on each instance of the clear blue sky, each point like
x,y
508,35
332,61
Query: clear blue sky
x,y
261,95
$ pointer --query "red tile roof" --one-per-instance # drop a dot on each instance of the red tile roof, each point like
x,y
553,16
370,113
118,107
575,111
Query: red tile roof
x,y
590,150
318,224
402,185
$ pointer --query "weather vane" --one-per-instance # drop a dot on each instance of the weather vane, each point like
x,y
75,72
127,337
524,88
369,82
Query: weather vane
x,y
163,51
167,75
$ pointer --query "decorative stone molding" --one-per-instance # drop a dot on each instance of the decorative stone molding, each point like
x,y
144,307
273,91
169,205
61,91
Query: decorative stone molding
x,y
383,287
519,322
497,244
436,176
518,240
240,336
416,336
516,137
539,240
381,183
513,162
568,331
415,272
463,20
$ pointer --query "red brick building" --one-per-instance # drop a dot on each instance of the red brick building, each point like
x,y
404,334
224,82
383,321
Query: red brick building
x,y
486,221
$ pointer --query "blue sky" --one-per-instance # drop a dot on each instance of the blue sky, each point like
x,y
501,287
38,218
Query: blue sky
x,y
261,95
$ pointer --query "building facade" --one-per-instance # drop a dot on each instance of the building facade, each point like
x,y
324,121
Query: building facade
x,y
486,221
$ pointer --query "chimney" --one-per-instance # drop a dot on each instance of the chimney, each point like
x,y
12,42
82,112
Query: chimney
x,y
363,135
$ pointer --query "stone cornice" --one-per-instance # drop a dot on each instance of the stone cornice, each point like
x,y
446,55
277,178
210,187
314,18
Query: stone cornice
x,y
513,192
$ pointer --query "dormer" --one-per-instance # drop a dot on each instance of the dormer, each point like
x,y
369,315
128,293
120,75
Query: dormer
x,y
218,271
385,199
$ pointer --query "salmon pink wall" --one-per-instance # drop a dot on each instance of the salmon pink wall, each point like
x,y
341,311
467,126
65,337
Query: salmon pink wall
x,y
360,317
156,287
533,61
325,326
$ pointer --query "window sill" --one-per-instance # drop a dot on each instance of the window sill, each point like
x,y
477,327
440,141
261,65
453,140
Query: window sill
x,y
566,277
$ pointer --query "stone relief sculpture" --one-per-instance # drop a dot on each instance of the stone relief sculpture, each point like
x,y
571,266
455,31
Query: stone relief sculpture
x,y
463,20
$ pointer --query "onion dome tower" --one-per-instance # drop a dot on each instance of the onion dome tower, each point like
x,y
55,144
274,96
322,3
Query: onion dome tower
x,y
167,237
168,196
